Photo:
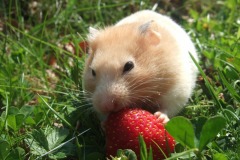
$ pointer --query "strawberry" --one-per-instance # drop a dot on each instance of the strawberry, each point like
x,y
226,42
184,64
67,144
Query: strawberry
x,y
124,127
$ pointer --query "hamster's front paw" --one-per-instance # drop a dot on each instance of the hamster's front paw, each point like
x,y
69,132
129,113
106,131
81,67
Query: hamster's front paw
x,y
162,117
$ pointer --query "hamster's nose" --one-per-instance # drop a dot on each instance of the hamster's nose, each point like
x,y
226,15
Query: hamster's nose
x,y
111,105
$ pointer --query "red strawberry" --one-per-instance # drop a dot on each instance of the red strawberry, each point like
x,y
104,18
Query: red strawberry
x,y
124,127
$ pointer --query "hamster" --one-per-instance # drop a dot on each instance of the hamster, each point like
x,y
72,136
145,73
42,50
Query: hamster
x,y
141,61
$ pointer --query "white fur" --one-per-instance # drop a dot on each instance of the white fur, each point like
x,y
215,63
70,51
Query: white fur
x,y
92,33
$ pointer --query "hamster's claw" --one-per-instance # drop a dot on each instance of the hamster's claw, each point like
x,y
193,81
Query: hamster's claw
x,y
162,117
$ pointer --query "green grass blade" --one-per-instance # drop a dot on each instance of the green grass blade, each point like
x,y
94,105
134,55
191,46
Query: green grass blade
x,y
207,83
43,42
150,154
231,90
56,113
143,148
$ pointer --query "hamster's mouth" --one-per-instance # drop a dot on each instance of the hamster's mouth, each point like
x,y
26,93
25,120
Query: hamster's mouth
x,y
152,109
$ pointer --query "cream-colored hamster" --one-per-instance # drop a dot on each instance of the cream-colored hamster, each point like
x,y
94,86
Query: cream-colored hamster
x,y
142,61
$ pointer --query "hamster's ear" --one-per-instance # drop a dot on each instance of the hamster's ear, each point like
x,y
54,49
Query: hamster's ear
x,y
148,31
144,27
92,33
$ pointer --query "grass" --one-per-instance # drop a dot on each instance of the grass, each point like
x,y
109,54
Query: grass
x,y
43,112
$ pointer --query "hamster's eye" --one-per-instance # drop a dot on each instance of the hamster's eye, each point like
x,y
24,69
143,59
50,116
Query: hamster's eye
x,y
128,66
93,73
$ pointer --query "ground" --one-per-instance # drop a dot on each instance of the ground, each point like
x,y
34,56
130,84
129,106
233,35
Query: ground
x,y
44,114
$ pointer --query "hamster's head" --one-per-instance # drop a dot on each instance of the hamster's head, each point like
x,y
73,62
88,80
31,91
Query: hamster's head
x,y
122,68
